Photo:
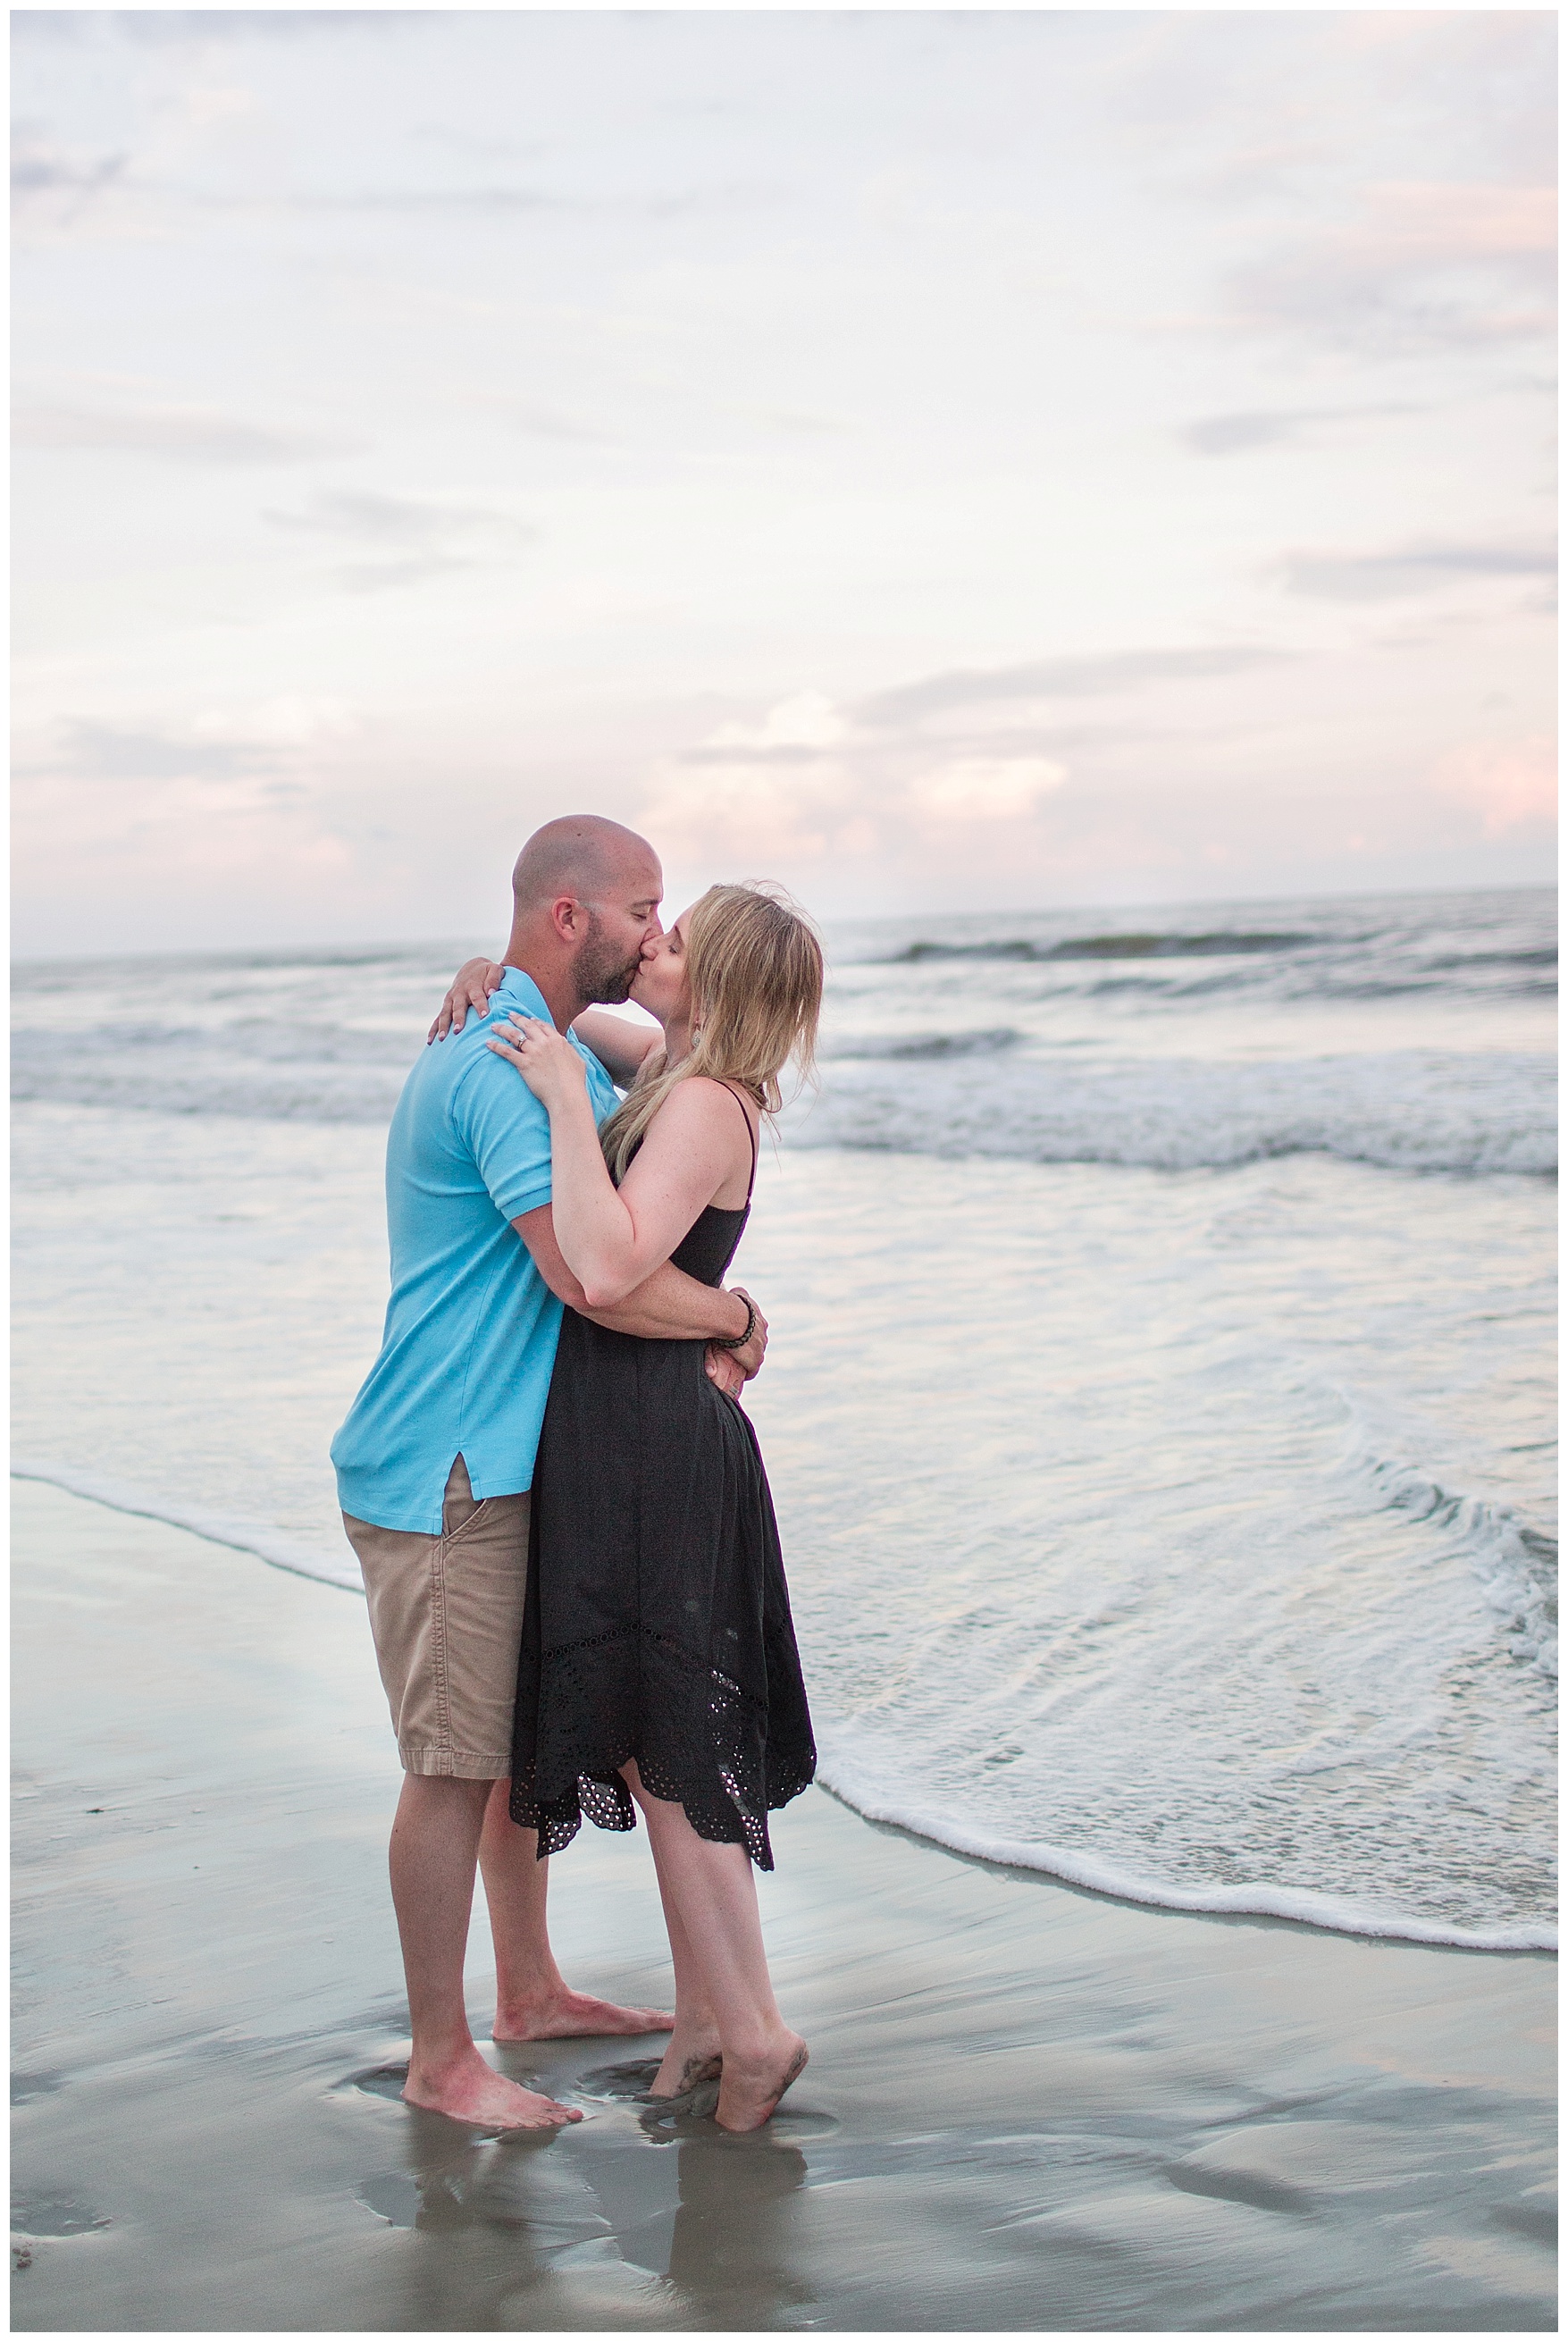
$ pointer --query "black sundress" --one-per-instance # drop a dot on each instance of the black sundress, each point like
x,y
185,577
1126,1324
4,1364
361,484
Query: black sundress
x,y
657,1622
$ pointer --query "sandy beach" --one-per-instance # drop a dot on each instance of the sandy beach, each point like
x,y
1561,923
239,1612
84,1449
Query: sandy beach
x,y
1029,2108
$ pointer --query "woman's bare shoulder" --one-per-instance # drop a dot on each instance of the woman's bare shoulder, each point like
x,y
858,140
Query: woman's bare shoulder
x,y
701,1110
719,1098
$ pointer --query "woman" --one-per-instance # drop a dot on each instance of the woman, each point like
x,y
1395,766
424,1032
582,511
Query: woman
x,y
658,1658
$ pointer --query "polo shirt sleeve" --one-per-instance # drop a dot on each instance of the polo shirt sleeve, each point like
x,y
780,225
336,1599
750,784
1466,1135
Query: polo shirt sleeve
x,y
602,1095
507,1132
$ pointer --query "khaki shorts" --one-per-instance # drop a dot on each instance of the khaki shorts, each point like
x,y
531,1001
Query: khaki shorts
x,y
447,1613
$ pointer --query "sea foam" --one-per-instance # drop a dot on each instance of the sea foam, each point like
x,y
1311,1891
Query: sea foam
x,y
269,1544
1186,1536
856,1783
844,1769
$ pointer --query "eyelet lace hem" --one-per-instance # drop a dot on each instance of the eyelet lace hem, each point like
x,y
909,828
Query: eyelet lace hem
x,y
710,1752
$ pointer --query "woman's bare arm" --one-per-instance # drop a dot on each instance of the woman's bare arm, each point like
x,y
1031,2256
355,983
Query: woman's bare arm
x,y
613,1238
621,1047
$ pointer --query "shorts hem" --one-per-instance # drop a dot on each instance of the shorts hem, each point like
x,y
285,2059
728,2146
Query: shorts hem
x,y
454,1764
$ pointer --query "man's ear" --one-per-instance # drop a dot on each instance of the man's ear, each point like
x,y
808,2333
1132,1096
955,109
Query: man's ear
x,y
567,918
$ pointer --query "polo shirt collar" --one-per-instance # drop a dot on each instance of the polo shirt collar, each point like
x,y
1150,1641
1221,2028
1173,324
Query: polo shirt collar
x,y
518,990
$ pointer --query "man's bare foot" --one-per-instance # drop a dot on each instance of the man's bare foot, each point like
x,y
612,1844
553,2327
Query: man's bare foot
x,y
685,2068
470,2091
567,2015
750,2088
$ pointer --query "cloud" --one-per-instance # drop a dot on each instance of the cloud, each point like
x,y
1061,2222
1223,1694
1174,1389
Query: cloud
x,y
1053,678
114,752
1513,785
794,753
723,200
192,434
459,139
803,783
1268,172
771,791
763,818
793,731
739,816
398,199
264,742
547,423
796,426
412,540
1408,570
195,27
39,172
402,520
988,788
1424,264
1233,435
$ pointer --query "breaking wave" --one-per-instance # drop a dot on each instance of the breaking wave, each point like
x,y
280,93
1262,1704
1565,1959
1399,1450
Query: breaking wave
x,y
915,1046
1416,1111
1515,1565
1222,944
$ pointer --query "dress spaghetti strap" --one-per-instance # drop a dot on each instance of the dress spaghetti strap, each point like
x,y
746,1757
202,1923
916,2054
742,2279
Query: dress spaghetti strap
x,y
751,1134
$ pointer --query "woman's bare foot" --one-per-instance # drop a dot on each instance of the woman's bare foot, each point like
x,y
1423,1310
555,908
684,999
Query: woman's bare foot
x,y
685,2065
752,2087
567,2015
471,2091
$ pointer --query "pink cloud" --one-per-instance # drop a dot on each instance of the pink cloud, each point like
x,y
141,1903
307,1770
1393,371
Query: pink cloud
x,y
1512,784
1450,219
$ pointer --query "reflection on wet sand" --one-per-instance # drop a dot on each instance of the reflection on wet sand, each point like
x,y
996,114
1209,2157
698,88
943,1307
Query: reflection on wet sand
x,y
490,2218
659,2192
735,2229
1027,2109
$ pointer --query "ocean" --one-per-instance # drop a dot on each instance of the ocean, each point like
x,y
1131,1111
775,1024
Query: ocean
x,y
1160,1402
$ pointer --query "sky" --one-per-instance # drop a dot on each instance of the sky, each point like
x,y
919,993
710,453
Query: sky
x,y
941,461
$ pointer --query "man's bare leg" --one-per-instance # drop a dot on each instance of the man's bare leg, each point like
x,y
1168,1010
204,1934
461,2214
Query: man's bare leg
x,y
434,1848
533,2002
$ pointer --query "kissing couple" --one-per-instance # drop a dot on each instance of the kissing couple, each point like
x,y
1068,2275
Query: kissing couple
x,y
570,1556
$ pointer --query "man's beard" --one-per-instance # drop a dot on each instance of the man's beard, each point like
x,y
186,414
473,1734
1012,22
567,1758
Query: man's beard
x,y
600,972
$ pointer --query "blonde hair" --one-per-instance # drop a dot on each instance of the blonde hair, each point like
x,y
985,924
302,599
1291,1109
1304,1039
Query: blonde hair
x,y
755,967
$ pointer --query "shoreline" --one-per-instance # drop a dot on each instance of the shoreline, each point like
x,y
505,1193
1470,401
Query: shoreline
x,y
1029,2108
1296,1905
1261,1903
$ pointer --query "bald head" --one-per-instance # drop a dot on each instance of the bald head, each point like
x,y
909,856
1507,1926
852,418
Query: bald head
x,y
586,899
584,856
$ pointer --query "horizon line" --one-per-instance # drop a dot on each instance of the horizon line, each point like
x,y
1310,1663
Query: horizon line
x,y
375,947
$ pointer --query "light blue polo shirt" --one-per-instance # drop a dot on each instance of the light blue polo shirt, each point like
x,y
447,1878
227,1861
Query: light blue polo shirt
x,y
472,1326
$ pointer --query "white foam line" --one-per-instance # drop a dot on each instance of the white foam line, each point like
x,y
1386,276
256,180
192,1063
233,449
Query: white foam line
x,y
1257,1902
244,1536
1018,1854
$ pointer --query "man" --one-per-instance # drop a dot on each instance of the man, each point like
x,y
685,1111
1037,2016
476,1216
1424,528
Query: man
x,y
435,1458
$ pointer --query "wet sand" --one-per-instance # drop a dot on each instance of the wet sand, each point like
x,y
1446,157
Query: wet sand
x,y
1029,2108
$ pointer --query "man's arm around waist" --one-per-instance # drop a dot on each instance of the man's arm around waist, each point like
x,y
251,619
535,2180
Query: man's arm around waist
x,y
668,1306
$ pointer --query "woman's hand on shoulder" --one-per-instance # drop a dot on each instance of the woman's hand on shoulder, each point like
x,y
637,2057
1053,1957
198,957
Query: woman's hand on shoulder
x,y
472,987
546,1060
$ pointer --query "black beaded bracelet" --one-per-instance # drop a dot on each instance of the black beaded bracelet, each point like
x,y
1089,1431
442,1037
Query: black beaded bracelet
x,y
739,1341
